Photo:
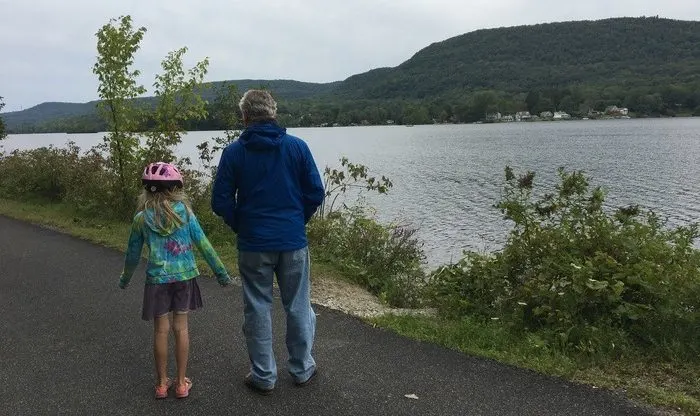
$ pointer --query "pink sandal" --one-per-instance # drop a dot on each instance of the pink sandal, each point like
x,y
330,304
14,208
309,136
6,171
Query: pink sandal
x,y
183,390
162,390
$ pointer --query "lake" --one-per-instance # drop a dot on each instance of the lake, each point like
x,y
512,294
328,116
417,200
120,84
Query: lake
x,y
447,177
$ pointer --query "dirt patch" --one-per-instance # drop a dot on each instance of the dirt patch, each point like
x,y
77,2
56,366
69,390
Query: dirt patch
x,y
349,298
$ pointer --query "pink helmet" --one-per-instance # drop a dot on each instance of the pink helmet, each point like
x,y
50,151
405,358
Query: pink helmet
x,y
160,175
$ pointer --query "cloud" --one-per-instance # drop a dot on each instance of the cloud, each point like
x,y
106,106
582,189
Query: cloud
x,y
47,48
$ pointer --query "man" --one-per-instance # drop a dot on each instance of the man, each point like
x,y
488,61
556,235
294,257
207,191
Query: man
x,y
266,189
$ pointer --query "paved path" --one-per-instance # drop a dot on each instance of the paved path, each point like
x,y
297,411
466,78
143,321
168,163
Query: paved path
x,y
72,343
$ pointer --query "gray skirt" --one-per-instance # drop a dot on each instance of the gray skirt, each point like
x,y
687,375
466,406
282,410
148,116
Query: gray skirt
x,y
178,297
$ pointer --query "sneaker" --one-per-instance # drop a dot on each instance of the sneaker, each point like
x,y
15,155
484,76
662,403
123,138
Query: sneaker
x,y
183,390
162,390
308,380
248,381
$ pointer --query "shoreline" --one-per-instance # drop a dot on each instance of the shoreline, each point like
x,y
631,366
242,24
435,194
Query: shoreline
x,y
659,117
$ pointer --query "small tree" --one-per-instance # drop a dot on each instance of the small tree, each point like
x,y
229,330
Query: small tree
x,y
225,111
225,108
179,100
349,176
117,42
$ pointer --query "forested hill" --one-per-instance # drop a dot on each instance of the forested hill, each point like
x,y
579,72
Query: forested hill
x,y
283,89
85,112
621,51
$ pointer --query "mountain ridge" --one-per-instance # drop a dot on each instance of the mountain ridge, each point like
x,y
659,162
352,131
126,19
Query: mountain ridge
x,y
616,54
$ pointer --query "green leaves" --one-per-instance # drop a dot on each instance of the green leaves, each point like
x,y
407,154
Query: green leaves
x,y
178,101
385,259
350,176
117,42
573,270
226,114
178,95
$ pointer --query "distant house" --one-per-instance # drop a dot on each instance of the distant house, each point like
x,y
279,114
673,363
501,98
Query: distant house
x,y
522,116
616,111
508,118
546,114
561,115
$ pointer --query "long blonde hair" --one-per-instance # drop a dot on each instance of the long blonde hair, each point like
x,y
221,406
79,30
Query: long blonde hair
x,y
161,202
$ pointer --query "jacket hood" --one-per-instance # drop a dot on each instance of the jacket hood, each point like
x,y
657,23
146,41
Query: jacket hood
x,y
150,220
262,136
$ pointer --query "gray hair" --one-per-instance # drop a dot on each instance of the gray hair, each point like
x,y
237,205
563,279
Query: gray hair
x,y
258,105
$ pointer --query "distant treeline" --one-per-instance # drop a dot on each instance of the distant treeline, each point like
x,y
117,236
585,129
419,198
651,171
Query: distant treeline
x,y
665,101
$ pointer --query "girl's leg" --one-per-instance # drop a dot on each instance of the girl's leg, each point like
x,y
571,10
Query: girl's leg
x,y
182,345
161,330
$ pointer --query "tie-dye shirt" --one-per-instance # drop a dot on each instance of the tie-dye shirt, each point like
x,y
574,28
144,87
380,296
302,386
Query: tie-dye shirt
x,y
170,253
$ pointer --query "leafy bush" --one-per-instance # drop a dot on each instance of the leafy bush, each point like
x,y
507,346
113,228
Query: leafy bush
x,y
350,176
198,188
37,173
385,259
52,174
580,275
90,188
85,183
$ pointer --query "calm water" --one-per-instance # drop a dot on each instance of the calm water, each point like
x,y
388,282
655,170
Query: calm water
x,y
447,178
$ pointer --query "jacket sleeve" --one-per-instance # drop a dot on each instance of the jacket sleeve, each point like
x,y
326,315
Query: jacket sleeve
x,y
133,250
223,195
202,243
311,185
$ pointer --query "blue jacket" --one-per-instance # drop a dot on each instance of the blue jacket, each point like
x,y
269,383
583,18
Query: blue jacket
x,y
267,187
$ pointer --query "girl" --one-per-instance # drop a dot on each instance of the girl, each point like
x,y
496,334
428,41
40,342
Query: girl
x,y
166,224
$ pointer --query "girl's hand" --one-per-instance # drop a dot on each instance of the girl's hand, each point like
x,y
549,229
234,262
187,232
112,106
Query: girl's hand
x,y
224,280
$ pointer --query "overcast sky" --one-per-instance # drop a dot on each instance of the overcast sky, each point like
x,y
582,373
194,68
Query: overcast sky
x,y
47,47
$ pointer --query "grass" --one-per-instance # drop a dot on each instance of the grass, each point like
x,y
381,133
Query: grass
x,y
669,384
674,385
107,233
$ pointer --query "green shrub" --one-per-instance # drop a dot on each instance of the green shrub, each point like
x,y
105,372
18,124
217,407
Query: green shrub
x,y
90,188
385,259
52,174
580,275
37,174
198,187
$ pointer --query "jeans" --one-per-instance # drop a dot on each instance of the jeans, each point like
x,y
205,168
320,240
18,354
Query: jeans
x,y
292,270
